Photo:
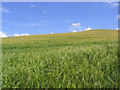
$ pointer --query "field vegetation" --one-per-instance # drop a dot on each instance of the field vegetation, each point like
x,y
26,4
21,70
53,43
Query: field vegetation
x,y
85,59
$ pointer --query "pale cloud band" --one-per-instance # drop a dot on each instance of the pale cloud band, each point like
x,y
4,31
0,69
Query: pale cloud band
x,y
60,0
21,35
4,35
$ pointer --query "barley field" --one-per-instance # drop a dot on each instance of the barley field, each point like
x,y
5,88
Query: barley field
x,y
87,59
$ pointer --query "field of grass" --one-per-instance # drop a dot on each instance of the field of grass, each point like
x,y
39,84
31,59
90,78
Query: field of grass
x,y
85,59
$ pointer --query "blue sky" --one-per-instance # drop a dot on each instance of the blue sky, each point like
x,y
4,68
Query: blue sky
x,y
49,17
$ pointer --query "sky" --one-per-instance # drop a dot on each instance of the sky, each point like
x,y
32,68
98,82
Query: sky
x,y
31,18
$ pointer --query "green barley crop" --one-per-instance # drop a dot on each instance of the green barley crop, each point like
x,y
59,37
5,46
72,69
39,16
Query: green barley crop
x,y
86,59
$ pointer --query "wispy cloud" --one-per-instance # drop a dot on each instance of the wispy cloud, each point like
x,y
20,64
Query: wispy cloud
x,y
110,1
5,10
76,27
32,5
76,24
113,4
20,24
32,24
44,11
12,23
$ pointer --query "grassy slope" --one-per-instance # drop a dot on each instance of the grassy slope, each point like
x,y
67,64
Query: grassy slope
x,y
82,59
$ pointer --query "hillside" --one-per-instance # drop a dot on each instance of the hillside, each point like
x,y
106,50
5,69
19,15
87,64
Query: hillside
x,y
73,60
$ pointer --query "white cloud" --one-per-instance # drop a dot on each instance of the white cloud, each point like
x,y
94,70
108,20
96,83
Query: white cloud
x,y
44,11
88,29
76,24
74,31
20,34
117,28
2,35
24,34
5,10
51,33
16,34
